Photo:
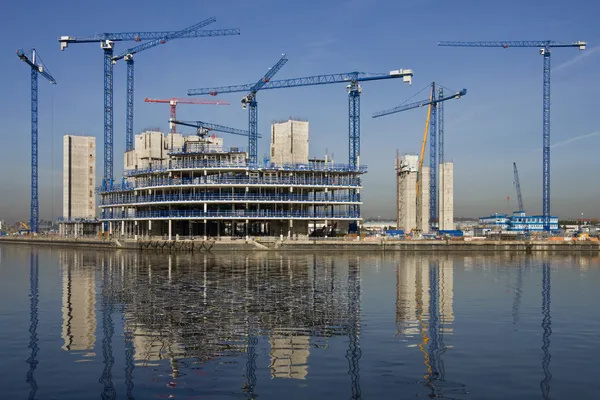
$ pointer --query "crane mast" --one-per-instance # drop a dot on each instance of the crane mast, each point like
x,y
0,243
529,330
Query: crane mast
x,y
518,187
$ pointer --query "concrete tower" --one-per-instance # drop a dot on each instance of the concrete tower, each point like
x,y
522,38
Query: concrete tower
x,y
446,196
289,142
406,192
423,201
79,177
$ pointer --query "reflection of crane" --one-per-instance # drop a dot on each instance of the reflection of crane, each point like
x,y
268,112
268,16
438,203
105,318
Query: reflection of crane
x,y
354,353
544,46
37,67
351,79
174,101
433,102
547,327
33,339
107,42
518,187
108,329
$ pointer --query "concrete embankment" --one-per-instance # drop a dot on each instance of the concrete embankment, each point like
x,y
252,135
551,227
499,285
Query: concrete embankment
x,y
313,245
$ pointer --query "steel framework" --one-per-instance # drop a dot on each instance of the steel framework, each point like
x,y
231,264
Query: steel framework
x,y
544,46
36,68
352,79
107,41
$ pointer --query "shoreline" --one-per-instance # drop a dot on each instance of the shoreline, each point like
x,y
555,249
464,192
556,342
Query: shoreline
x,y
271,244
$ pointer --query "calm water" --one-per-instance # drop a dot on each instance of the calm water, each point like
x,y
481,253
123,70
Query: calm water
x,y
91,324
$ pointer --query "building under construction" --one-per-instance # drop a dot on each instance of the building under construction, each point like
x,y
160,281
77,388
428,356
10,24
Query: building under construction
x,y
195,186
413,196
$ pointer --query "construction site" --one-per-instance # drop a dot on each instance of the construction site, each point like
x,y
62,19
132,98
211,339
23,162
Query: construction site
x,y
194,185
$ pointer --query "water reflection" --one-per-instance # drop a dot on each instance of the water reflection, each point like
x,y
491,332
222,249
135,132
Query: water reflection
x,y
180,312
33,339
547,327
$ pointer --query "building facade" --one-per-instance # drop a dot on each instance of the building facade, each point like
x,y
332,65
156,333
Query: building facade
x,y
446,196
289,142
202,188
517,222
406,192
79,177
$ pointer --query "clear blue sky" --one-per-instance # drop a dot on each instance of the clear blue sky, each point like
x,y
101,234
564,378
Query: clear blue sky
x,y
498,122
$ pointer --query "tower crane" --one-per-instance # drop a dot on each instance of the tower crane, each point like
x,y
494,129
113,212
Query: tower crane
x,y
37,68
107,42
174,101
248,100
205,127
128,56
518,187
544,46
352,79
434,101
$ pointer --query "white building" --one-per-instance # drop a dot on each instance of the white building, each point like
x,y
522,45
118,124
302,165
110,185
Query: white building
x,y
406,192
423,201
79,177
446,196
289,142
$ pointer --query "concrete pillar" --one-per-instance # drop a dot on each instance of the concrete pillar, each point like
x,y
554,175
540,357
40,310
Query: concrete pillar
x,y
169,229
110,229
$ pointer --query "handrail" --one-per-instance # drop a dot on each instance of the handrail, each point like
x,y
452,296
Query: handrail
x,y
242,214
208,197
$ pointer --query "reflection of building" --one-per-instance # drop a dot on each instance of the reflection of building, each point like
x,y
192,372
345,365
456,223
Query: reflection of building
x,y
78,303
413,294
289,356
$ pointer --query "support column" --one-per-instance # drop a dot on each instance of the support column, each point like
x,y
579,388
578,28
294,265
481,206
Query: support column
x,y
149,227
169,229
123,228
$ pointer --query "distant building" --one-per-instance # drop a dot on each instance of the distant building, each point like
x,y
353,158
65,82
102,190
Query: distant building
x,y
289,142
79,177
517,222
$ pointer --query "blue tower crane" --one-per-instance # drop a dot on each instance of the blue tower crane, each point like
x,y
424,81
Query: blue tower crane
x,y
128,56
544,46
250,100
107,41
37,67
518,187
435,101
352,80
205,127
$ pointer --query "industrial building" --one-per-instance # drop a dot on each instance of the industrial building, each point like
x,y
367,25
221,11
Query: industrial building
x,y
289,142
79,177
412,210
446,196
406,192
518,222
79,182
195,186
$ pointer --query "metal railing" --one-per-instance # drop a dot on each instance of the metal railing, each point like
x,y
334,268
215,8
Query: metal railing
x,y
141,183
116,199
238,214
213,164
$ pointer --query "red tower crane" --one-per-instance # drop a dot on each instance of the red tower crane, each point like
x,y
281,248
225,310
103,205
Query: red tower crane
x,y
173,103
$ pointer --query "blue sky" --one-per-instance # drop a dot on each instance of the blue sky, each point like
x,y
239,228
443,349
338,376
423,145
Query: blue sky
x,y
498,122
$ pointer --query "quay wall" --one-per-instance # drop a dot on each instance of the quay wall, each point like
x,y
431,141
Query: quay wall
x,y
313,245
